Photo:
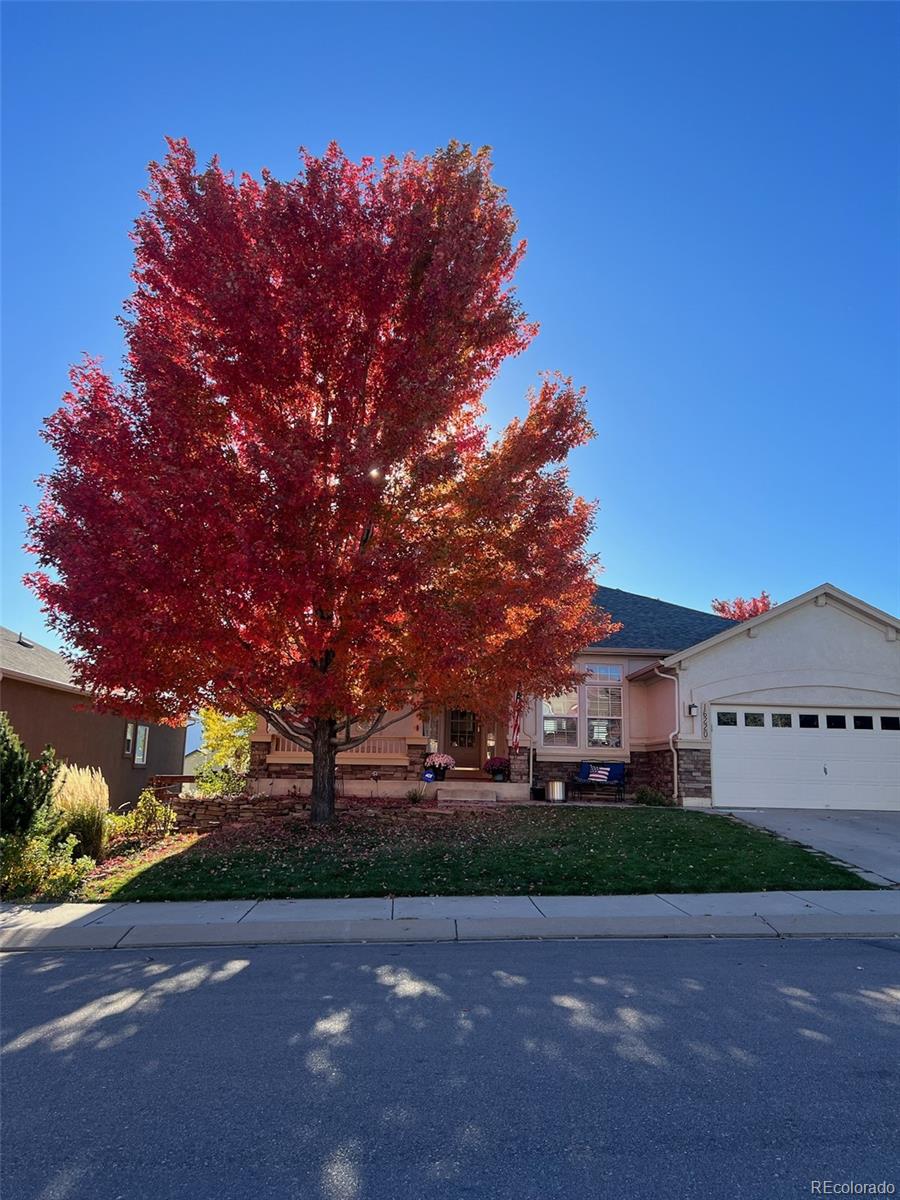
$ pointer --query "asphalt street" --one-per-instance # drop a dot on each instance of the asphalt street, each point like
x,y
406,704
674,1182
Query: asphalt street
x,y
525,1071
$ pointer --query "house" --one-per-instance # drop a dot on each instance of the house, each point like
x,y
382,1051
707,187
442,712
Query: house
x,y
798,707
45,707
194,761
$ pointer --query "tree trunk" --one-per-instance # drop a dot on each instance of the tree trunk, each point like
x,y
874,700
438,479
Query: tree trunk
x,y
324,753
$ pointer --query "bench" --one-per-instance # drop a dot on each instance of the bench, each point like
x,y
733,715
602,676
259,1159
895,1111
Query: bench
x,y
593,776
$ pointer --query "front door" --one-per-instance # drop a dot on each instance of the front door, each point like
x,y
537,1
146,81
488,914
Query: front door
x,y
464,737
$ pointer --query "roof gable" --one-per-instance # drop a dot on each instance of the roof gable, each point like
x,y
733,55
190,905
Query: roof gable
x,y
650,624
825,590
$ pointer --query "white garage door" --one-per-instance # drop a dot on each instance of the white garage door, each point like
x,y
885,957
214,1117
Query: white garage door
x,y
805,758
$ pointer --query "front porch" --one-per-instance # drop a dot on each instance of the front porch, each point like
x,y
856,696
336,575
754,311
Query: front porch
x,y
395,757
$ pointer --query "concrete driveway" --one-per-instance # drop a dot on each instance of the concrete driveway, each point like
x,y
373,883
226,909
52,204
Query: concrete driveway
x,y
869,841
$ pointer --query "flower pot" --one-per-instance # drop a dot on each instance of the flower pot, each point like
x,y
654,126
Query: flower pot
x,y
499,777
440,773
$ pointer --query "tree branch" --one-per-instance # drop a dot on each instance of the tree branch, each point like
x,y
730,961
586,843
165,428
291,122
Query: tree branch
x,y
294,733
377,726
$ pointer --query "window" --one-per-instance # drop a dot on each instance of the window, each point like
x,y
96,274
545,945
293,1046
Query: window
x,y
726,718
891,723
463,727
863,723
754,720
604,706
140,745
560,720
605,673
591,715
431,725
808,720
128,748
835,721
782,721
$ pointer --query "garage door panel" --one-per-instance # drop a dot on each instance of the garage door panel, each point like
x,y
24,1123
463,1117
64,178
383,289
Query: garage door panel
x,y
789,767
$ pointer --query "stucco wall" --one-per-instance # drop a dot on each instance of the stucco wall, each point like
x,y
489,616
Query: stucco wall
x,y
84,738
826,655
633,710
652,707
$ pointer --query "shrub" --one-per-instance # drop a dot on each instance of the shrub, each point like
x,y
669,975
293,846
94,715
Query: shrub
x,y
416,795
652,798
28,783
82,801
219,781
150,818
40,868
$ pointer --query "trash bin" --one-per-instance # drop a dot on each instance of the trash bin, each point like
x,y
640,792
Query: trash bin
x,y
556,791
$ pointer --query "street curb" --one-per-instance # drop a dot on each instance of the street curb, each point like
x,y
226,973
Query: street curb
x,y
447,930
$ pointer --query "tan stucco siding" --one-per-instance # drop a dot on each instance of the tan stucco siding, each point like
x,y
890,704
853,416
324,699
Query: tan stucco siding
x,y
822,654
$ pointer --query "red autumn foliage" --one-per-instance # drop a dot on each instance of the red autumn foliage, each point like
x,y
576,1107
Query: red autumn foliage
x,y
291,505
742,610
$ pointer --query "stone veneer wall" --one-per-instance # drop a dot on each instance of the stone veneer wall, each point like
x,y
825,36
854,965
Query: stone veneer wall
x,y
203,813
566,769
695,773
651,768
646,768
518,765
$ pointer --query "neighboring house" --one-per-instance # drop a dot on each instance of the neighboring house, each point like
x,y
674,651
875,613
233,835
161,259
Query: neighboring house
x,y
45,707
798,707
195,760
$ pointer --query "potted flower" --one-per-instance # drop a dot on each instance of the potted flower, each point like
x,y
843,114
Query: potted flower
x,y
440,764
497,766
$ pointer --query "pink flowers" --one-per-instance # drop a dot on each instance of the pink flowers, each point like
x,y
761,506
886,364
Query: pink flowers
x,y
445,761
496,764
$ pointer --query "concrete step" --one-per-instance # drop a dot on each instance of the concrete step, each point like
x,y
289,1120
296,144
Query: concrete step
x,y
466,794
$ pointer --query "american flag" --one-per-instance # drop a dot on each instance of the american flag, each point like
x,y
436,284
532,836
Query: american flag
x,y
598,774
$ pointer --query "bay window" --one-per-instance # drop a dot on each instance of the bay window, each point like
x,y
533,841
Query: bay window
x,y
560,720
604,706
589,716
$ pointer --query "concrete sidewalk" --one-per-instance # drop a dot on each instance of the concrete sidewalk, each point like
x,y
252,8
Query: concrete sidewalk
x,y
449,919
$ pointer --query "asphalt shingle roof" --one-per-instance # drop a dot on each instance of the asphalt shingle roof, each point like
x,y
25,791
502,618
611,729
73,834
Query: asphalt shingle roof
x,y
649,624
37,661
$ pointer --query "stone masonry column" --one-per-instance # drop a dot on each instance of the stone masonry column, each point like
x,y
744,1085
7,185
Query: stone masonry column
x,y
518,765
259,753
416,750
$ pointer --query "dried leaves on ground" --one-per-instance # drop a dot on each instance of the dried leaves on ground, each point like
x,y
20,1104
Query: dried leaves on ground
x,y
384,852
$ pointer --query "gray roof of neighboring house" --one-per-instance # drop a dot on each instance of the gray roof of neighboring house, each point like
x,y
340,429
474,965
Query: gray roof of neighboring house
x,y
649,624
26,657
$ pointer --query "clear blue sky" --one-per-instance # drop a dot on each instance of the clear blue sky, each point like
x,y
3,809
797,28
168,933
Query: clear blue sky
x,y
710,194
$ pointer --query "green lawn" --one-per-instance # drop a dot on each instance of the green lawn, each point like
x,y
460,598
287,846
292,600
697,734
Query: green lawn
x,y
513,851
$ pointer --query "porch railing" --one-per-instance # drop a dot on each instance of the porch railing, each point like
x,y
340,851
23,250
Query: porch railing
x,y
381,746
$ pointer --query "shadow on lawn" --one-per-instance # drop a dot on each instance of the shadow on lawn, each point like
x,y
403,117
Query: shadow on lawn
x,y
516,852
343,1072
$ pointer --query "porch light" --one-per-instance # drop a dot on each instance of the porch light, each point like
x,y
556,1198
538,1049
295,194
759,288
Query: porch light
x,y
375,473
491,741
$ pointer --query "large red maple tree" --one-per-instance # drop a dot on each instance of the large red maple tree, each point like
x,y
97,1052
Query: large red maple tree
x,y
290,503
